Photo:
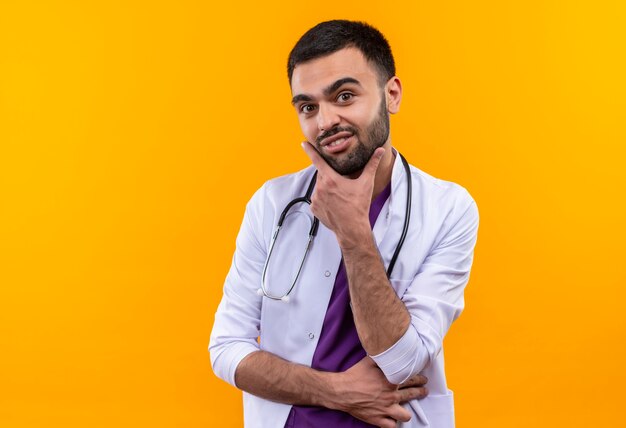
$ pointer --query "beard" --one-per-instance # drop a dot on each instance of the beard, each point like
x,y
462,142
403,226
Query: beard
x,y
376,136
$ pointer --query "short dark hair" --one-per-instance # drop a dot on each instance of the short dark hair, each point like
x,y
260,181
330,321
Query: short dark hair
x,y
330,36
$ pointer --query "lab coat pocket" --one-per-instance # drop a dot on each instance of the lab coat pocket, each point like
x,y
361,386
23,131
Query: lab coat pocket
x,y
439,410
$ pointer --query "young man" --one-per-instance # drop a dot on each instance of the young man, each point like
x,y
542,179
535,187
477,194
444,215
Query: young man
x,y
344,341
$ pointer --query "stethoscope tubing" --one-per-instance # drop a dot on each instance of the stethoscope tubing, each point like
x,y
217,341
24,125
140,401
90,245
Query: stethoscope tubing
x,y
407,216
313,232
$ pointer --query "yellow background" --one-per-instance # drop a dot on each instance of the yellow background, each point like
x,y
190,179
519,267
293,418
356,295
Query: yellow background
x,y
133,133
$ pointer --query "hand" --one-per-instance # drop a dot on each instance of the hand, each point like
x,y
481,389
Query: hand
x,y
342,204
365,393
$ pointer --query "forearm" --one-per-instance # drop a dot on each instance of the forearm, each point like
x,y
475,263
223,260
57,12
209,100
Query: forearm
x,y
268,376
380,317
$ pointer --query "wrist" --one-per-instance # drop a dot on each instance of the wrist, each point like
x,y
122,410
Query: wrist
x,y
355,237
330,395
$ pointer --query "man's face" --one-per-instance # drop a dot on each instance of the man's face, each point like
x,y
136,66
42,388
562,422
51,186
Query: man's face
x,y
342,108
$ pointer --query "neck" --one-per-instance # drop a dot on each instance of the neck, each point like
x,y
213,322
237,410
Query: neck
x,y
383,174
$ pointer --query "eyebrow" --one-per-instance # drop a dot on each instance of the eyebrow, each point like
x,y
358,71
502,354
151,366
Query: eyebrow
x,y
328,90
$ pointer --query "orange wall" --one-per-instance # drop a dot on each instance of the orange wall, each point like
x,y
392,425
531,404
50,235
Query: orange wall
x,y
133,133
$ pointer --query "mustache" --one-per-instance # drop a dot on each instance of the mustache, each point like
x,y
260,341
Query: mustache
x,y
333,131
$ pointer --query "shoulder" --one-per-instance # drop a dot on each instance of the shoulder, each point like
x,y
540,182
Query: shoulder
x,y
442,191
441,198
279,190
284,183
269,200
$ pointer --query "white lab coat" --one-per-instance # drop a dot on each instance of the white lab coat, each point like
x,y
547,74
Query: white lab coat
x,y
430,276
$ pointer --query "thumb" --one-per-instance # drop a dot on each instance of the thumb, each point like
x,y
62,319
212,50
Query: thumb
x,y
372,165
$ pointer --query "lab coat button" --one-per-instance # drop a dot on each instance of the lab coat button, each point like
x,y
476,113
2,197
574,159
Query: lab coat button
x,y
311,336
327,273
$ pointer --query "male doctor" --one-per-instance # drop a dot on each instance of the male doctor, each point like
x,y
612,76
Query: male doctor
x,y
350,346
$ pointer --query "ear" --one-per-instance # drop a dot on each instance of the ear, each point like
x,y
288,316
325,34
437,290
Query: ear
x,y
393,93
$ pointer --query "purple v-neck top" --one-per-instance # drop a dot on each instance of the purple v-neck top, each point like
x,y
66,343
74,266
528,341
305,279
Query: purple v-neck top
x,y
339,347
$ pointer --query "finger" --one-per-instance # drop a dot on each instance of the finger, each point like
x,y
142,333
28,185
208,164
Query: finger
x,y
372,165
399,413
407,394
315,157
387,423
417,380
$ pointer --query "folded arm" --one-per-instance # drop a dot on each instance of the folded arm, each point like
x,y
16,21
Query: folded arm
x,y
433,300
363,391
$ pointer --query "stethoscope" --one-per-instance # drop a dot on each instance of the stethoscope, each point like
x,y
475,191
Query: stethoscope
x,y
313,231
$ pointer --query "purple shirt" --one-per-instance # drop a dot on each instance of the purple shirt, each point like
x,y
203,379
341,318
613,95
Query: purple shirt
x,y
338,348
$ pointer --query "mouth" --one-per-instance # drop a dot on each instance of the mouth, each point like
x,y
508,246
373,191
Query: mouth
x,y
336,139
337,143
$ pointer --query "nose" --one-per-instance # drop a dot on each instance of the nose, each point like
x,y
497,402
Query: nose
x,y
327,117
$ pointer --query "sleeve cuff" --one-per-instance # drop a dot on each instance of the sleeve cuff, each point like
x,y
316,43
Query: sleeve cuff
x,y
233,355
397,361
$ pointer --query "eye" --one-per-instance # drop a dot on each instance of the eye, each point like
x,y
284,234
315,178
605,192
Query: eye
x,y
345,97
307,108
